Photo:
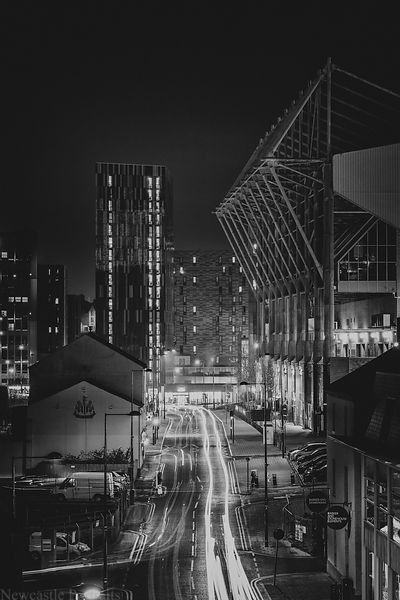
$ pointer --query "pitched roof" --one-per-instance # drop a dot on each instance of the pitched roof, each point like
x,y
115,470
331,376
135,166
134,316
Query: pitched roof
x,y
374,390
361,381
92,359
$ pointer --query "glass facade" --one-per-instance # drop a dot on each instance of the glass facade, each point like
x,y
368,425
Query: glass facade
x,y
134,262
373,258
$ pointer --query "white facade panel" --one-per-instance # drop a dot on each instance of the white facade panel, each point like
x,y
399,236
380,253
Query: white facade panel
x,y
371,180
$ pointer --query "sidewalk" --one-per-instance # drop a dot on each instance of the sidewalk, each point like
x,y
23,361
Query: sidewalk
x,y
151,461
300,575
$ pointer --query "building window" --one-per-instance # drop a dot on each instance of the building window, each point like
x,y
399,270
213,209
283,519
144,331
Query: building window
x,y
194,349
194,280
369,500
56,301
194,260
194,329
4,255
24,298
233,259
194,310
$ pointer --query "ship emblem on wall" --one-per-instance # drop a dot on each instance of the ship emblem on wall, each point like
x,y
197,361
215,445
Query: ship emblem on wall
x,y
84,408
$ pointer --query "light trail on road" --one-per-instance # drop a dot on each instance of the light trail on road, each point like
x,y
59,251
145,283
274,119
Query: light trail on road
x,y
240,587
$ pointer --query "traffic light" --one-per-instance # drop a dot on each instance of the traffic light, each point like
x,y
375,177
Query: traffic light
x,y
284,411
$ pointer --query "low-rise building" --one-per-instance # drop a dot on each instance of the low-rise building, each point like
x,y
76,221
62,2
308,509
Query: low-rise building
x,y
363,411
72,390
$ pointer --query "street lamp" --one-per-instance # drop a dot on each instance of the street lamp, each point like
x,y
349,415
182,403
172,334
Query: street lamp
x,y
21,347
7,371
131,414
265,461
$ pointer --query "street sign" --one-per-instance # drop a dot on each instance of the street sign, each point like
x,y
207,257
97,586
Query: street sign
x,y
278,534
317,501
337,517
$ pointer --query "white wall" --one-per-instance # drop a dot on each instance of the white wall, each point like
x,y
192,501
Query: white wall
x,y
52,425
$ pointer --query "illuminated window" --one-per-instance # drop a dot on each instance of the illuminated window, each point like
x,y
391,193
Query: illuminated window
x,y
240,289
4,255
194,260
194,329
194,310
181,270
233,259
224,269
194,349
109,181
24,298
56,329
49,329
194,280
11,327
17,298
56,301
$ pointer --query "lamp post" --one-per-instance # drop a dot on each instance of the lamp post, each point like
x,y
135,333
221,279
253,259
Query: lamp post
x,y
265,461
7,371
105,528
21,347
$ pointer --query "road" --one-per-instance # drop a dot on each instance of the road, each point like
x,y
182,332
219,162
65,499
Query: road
x,y
188,548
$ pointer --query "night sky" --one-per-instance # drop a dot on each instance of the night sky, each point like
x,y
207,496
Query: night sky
x,y
193,86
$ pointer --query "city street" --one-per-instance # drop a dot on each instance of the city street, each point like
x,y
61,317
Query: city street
x,y
186,546
203,535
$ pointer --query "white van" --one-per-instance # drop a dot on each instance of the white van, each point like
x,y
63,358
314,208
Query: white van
x,y
63,548
85,486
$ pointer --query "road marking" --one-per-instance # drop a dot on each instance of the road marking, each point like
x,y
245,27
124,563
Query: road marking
x,y
192,537
192,565
193,527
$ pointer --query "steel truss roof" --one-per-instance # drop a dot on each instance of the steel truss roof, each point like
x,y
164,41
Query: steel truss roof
x,y
274,216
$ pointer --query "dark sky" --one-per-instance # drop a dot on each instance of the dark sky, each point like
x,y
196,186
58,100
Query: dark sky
x,y
192,86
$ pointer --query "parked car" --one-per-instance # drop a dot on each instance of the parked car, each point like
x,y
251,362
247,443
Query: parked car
x,y
296,454
306,464
63,549
316,475
313,464
314,454
119,480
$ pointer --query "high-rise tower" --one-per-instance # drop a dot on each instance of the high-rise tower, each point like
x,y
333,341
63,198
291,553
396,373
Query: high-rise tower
x,y
18,303
133,261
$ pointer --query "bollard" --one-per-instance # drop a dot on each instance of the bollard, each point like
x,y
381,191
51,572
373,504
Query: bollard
x,y
274,479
